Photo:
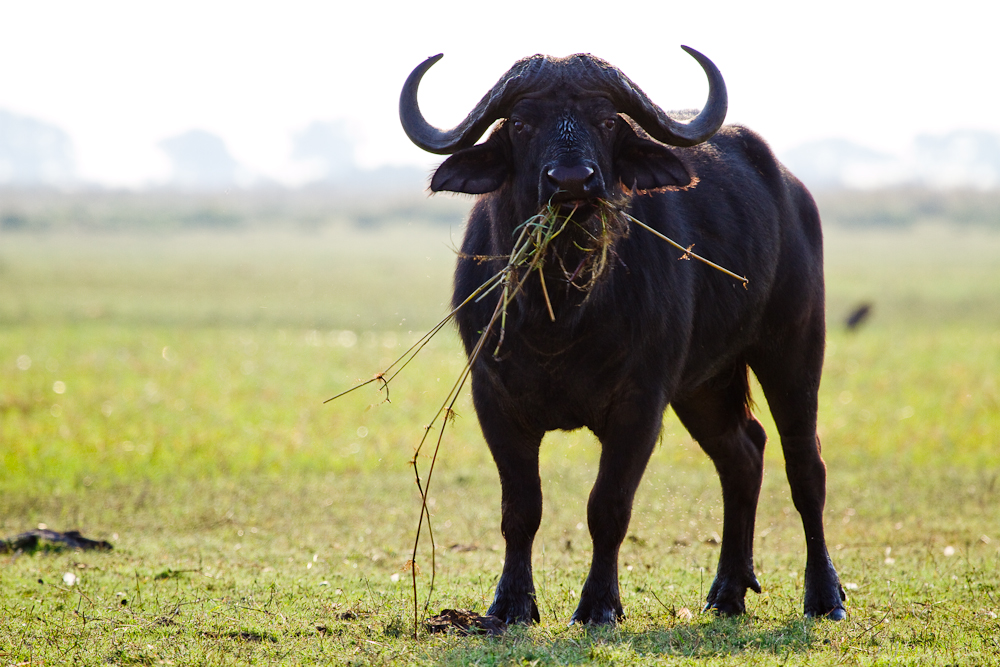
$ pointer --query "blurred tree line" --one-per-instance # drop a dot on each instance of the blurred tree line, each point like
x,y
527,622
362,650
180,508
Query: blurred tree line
x,y
907,207
309,209
315,208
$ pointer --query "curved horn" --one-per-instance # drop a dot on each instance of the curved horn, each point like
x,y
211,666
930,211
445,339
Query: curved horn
x,y
662,127
495,104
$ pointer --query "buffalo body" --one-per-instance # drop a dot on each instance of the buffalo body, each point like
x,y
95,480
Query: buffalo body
x,y
655,329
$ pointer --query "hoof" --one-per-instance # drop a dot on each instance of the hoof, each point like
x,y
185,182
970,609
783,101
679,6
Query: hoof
x,y
838,613
511,610
606,617
826,600
726,597
603,612
731,608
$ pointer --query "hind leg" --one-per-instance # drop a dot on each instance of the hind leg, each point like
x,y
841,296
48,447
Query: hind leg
x,y
790,375
717,416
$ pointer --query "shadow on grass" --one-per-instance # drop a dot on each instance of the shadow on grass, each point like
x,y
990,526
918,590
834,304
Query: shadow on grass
x,y
714,638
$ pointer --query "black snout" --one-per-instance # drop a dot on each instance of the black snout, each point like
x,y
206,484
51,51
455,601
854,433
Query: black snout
x,y
571,182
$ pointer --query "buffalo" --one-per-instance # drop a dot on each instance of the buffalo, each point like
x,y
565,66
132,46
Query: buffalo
x,y
578,135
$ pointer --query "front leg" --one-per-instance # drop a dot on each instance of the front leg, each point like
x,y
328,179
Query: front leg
x,y
521,507
626,444
515,452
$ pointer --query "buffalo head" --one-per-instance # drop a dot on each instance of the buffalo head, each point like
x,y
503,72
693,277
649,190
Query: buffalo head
x,y
574,130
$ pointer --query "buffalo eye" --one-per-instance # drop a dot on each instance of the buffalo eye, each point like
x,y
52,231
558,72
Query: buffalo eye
x,y
518,126
609,123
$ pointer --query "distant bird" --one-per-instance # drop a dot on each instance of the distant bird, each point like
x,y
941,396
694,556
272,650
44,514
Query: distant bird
x,y
858,316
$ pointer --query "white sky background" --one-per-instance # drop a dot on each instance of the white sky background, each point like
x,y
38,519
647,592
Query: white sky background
x,y
119,76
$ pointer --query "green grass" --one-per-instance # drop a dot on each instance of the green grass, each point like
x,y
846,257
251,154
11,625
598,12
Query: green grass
x,y
252,523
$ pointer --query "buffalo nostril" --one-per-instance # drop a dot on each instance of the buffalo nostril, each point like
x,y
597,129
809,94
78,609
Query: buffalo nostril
x,y
573,180
560,174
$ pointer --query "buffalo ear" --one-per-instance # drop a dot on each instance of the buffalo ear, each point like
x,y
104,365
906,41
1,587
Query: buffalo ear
x,y
473,171
646,165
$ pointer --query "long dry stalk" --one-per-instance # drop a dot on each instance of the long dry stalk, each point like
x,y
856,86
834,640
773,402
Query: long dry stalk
x,y
687,251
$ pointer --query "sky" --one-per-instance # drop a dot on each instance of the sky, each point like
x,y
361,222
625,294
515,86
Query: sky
x,y
122,76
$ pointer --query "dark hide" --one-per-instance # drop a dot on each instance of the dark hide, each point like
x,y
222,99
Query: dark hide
x,y
653,332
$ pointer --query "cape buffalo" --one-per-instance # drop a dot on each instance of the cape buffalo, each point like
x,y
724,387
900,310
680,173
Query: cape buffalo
x,y
648,331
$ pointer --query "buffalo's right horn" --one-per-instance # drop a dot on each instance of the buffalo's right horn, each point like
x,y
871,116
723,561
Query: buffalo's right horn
x,y
495,104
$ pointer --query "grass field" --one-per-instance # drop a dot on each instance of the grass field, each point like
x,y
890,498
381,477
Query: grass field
x,y
165,392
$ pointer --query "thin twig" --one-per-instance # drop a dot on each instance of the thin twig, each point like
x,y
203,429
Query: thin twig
x,y
687,251
414,349
448,408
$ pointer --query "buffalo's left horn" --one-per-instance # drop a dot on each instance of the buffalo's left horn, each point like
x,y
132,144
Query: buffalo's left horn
x,y
495,104
632,101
